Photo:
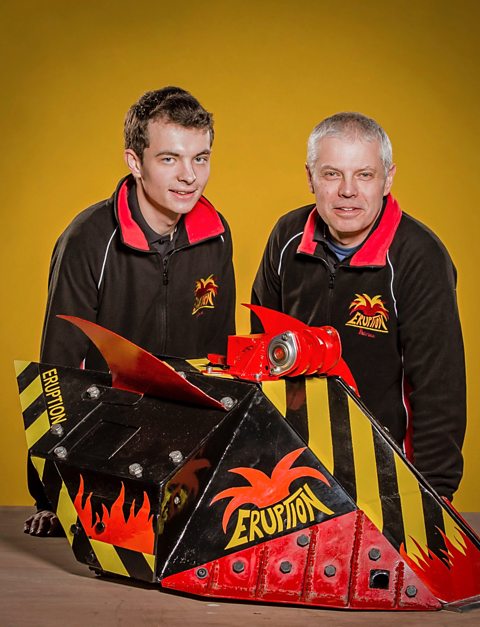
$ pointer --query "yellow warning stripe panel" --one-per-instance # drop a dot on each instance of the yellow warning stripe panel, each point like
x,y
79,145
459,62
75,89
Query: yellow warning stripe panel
x,y
39,464
366,470
275,392
319,426
199,364
37,429
108,558
412,507
20,366
452,531
31,393
150,560
66,512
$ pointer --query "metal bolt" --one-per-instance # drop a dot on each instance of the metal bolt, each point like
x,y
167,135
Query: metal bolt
x,y
258,376
411,591
74,530
374,554
136,470
57,430
329,332
202,573
285,337
285,567
90,557
176,456
182,374
228,402
209,369
303,540
100,527
238,567
177,500
330,571
275,370
93,392
60,452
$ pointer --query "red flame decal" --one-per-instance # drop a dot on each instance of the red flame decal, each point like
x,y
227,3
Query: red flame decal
x,y
134,533
263,490
455,576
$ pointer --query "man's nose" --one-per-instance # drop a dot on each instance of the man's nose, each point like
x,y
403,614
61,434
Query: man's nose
x,y
348,187
187,173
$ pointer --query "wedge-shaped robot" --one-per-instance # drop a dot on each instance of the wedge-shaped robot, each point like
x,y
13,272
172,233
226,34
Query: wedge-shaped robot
x,y
224,479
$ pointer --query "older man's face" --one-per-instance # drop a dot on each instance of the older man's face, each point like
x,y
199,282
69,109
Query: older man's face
x,y
349,182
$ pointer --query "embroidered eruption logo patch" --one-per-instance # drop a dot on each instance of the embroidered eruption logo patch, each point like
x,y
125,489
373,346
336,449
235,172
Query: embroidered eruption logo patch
x,y
368,313
205,292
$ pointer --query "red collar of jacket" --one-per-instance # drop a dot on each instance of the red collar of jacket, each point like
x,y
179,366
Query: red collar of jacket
x,y
202,222
374,250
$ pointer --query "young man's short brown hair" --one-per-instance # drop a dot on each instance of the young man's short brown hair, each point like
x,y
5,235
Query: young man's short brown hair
x,y
171,104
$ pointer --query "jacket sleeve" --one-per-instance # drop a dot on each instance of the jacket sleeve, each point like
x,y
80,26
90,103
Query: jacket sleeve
x,y
266,290
433,356
72,290
224,321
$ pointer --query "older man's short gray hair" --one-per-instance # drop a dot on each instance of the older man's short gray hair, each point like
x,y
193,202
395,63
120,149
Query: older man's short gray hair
x,y
350,124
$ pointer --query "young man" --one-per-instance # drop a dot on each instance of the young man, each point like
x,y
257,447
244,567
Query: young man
x,y
153,262
385,282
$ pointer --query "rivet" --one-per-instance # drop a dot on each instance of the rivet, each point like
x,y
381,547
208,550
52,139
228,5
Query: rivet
x,y
60,452
181,374
411,591
228,402
136,470
374,554
177,500
100,527
176,457
285,567
57,430
93,392
303,540
238,567
74,529
330,571
202,573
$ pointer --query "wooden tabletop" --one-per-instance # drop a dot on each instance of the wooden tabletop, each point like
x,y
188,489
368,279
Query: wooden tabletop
x,y
41,584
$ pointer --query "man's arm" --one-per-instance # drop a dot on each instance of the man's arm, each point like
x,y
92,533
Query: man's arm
x,y
432,345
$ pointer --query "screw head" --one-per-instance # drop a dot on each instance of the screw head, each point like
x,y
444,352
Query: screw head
x,y
57,430
100,527
60,452
202,573
285,567
176,457
74,529
93,392
228,402
303,540
374,554
238,567
411,591
330,570
181,374
135,470
177,500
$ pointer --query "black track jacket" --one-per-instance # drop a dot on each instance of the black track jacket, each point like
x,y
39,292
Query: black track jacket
x,y
394,304
103,270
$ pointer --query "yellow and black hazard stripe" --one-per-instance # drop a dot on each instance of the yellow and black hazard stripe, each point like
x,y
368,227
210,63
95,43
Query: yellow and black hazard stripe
x,y
98,555
34,409
369,467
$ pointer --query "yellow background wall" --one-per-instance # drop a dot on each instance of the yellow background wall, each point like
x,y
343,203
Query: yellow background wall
x,y
269,70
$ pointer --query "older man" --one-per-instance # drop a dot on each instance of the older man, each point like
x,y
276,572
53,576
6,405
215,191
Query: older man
x,y
355,261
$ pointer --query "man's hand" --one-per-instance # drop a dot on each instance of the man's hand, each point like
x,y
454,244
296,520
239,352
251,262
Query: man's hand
x,y
43,523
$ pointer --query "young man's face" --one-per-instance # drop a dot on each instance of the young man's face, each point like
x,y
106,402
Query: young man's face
x,y
174,170
349,182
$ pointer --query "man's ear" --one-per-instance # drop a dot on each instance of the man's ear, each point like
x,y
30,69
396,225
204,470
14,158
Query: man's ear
x,y
133,162
389,179
309,178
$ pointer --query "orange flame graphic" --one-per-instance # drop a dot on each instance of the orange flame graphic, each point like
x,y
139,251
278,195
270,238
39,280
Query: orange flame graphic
x,y
134,533
263,490
205,290
455,576
369,306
